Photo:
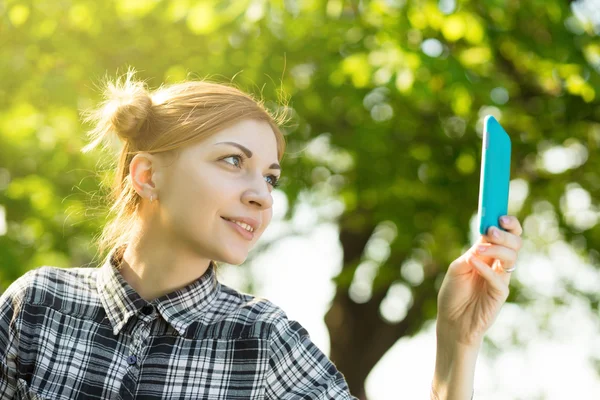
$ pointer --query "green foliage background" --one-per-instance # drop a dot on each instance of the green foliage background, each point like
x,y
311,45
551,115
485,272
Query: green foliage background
x,y
387,99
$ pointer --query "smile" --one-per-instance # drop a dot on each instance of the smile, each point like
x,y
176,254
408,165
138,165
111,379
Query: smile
x,y
242,228
243,225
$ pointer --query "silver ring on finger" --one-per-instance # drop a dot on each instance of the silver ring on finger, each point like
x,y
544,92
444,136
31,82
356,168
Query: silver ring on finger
x,y
510,269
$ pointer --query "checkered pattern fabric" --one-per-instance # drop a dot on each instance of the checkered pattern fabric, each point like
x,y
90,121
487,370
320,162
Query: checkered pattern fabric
x,y
84,333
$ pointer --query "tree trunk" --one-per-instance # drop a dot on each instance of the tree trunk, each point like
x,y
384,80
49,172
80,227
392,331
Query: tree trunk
x,y
359,335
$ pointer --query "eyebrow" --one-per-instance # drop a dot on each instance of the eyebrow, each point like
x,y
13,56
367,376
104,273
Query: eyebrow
x,y
248,153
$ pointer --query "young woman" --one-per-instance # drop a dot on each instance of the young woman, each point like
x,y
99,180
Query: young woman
x,y
194,187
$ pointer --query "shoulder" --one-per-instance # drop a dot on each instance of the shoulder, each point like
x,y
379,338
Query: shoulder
x,y
246,315
294,360
52,286
17,291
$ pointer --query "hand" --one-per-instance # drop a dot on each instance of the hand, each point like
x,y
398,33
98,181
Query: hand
x,y
476,286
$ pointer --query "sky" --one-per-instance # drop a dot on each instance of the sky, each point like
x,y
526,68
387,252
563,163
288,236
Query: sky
x,y
554,364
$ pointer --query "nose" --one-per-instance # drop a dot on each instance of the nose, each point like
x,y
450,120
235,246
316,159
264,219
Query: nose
x,y
258,194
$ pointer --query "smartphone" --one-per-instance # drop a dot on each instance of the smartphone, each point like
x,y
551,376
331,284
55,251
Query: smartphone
x,y
495,175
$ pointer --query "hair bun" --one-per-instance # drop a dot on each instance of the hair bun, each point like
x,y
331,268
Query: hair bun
x,y
128,107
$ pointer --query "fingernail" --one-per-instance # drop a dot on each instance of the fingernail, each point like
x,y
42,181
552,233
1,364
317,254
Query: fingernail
x,y
496,232
481,249
505,220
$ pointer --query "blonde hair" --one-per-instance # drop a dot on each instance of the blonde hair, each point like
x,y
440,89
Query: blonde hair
x,y
162,121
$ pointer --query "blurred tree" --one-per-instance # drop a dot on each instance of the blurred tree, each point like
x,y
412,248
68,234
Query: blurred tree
x,y
388,99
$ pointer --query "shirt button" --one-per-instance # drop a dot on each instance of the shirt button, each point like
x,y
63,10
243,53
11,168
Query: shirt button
x,y
147,309
131,360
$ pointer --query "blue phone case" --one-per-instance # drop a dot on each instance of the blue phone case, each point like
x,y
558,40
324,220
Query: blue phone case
x,y
495,175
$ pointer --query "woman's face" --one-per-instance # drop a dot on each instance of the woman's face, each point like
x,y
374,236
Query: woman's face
x,y
228,176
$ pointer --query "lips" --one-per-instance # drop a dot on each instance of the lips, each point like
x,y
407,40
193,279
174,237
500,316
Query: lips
x,y
243,232
254,224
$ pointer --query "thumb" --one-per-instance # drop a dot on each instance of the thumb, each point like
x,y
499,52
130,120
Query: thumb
x,y
461,265
494,280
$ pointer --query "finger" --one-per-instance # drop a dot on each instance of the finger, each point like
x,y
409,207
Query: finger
x,y
507,239
501,269
511,224
497,282
506,255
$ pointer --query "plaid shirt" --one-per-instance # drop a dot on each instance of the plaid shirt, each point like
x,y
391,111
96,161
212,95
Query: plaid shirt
x,y
84,333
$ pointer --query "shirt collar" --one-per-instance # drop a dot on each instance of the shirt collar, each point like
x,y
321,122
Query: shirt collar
x,y
179,308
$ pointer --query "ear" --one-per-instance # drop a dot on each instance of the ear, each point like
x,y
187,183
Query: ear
x,y
142,174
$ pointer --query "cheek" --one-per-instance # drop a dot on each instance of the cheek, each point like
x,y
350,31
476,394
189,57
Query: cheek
x,y
194,200
208,190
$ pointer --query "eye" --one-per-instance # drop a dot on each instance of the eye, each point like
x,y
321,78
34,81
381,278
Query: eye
x,y
240,157
274,182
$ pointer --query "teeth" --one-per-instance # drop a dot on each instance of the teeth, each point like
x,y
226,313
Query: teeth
x,y
243,225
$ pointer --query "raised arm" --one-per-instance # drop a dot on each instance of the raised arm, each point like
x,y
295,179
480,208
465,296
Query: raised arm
x,y
454,371
470,298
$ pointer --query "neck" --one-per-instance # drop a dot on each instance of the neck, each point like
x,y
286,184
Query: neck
x,y
155,265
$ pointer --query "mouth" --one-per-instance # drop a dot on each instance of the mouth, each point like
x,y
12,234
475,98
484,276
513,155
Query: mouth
x,y
241,224
248,223
243,231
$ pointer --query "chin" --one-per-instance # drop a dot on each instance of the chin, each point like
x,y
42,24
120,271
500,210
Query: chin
x,y
235,259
